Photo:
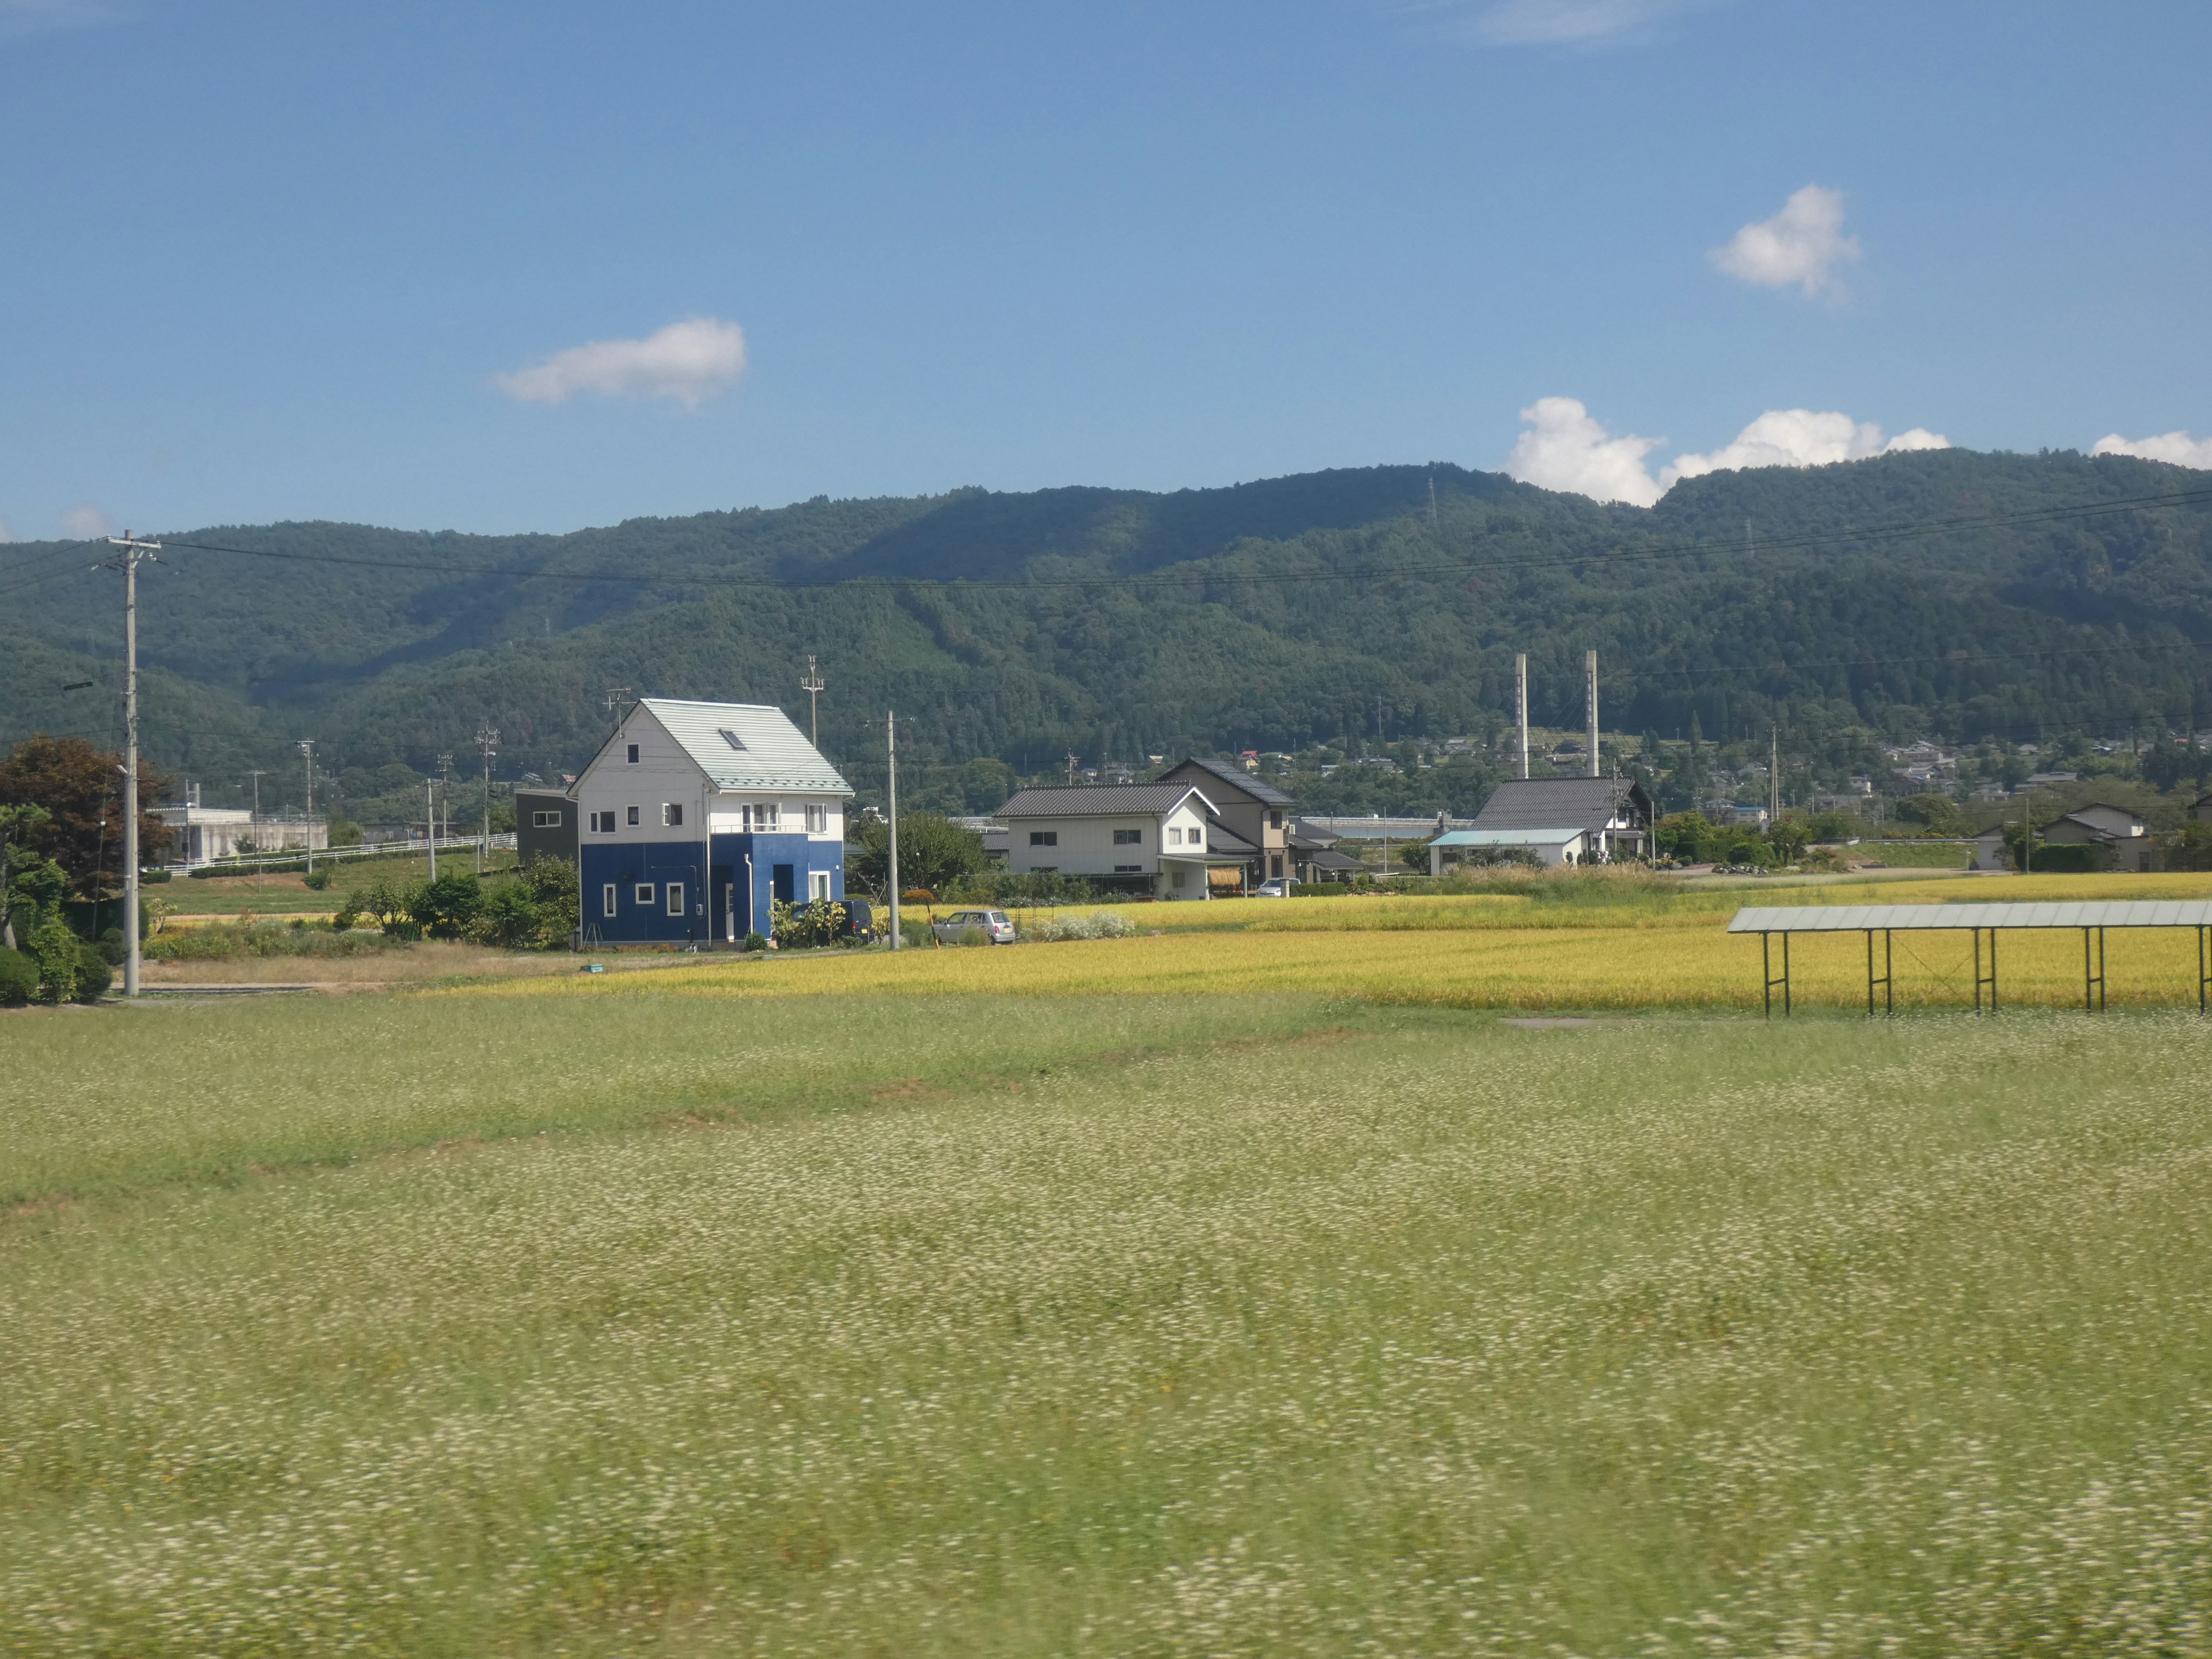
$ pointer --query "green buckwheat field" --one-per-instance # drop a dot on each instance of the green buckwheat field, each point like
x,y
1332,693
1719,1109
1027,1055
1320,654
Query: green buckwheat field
x,y
655,1321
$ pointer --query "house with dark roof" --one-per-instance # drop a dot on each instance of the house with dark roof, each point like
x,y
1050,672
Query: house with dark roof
x,y
2121,832
698,817
1559,820
1252,818
1154,840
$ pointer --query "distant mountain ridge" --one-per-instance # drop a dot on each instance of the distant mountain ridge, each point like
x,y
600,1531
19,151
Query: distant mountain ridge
x,y
1108,621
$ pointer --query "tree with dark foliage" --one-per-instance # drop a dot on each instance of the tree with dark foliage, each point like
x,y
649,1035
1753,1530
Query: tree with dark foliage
x,y
80,788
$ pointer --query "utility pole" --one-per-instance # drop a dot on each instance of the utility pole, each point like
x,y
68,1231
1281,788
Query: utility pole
x,y
1071,758
307,824
617,697
1520,704
488,741
813,686
891,754
133,550
430,823
1432,500
446,790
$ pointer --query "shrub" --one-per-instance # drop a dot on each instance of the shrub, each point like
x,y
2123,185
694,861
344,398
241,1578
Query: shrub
x,y
819,922
756,941
536,911
55,948
444,908
111,947
93,974
19,978
317,880
226,940
1099,924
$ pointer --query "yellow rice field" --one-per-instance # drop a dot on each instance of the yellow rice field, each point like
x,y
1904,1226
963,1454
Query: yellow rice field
x,y
1492,952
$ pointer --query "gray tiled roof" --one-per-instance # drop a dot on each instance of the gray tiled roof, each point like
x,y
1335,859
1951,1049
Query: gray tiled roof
x,y
1550,803
1082,800
1237,778
775,756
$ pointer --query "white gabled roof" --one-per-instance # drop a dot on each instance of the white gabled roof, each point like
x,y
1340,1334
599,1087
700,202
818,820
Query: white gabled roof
x,y
774,755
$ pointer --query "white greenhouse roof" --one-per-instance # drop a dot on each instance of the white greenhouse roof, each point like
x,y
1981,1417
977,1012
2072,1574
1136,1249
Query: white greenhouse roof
x,y
1903,918
746,746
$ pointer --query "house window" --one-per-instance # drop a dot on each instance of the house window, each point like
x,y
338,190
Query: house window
x,y
603,823
632,811
761,820
607,900
731,739
1128,838
817,884
1128,869
645,892
633,754
545,820
1044,869
1275,865
675,898
1179,878
817,819
671,815
1174,835
1044,837
1275,818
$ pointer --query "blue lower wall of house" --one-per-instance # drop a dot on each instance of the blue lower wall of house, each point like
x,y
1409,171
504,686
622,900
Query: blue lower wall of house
x,y
708,889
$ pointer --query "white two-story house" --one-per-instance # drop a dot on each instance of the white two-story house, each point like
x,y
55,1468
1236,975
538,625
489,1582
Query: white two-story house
x,y
1148,838
696,817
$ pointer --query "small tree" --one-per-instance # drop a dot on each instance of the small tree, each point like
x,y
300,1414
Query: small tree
x,y
934,853
444,908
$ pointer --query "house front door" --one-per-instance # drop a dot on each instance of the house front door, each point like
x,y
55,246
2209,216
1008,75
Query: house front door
x,y
783,883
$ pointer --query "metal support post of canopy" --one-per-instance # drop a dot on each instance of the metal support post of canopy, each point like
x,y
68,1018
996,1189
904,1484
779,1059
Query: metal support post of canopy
x,y
1766,961
2093,971
1888,980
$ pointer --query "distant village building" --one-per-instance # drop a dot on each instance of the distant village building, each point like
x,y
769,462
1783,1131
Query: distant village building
x,y
203,834
2121,832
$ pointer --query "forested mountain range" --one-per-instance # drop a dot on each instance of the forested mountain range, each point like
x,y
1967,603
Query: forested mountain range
x,y
1942,592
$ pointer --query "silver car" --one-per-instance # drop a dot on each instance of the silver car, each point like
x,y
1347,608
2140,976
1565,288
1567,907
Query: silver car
x,y
995,926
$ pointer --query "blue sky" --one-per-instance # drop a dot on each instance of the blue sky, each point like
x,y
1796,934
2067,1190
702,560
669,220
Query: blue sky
x,y
273,261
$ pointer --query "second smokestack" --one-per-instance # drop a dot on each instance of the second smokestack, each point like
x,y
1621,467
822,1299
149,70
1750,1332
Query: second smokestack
x,y
1590,669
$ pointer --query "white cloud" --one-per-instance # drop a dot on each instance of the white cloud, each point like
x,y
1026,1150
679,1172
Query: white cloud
x,y
1568,22
1800,437
1565,449
688,362
83,523
1803,244
2178,447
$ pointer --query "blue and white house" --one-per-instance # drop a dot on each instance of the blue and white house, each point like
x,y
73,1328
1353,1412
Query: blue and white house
x,y
696,817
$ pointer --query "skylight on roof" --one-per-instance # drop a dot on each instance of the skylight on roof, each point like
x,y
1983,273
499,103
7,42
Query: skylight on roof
x,y
731,739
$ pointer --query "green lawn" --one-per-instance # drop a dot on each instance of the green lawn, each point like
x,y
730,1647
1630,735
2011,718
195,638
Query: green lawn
x,y
1155,1326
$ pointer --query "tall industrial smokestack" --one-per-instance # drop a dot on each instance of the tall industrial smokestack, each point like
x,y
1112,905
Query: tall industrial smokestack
x,y
1520,704
1589,667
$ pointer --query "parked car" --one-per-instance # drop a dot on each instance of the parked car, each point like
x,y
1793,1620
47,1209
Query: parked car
x,y
1276,889
995,926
